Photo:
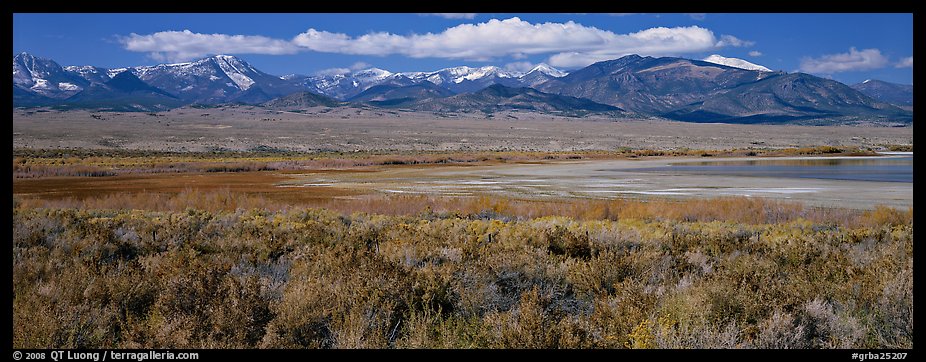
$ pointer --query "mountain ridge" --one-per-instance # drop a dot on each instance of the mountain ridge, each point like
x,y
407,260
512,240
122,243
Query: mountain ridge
x,y
700,91
894,93
633,85
498,97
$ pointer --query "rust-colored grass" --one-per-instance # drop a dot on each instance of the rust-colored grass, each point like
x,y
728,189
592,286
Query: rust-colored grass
x,y
228,192
30,163
147,189
133,181
231,260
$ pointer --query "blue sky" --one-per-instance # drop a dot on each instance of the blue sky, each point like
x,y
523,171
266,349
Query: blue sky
x,y
847,47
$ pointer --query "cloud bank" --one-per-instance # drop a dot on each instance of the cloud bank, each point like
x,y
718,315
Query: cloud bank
x,y
519,66
905,63
854,60
186,45
453,15
570,44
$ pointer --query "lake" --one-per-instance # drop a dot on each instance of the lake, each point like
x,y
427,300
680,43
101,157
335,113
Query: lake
x,y
881,169
855,182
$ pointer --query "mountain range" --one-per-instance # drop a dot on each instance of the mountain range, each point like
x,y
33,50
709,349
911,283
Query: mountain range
x,y
497,97
899,94
717,89
734,62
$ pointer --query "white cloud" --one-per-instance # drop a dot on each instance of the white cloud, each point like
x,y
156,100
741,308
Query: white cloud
x,y
755,53
360,66
570,44
519,66
843,62
905,63
338,71
576,44
454,15
659,41
186,45
697,16
332,71
730,40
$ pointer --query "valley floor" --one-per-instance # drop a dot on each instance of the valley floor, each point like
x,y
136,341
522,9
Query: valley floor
x,y
550,180
246,128
119,245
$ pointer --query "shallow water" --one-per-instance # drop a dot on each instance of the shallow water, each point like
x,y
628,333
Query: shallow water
x,y
858,182
888,169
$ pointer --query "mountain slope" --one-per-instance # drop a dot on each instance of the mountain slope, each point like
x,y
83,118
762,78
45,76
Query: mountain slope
x,y
461,79
649,85
788,97
45,77
501,98
676,88
468,79
540,74
698,91
345,86
25,98
126,82
397,94
735,62
214,79
900,94
301,100
90,73
124,92
253,95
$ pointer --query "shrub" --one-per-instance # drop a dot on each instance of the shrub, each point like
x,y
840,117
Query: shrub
x,y
314,278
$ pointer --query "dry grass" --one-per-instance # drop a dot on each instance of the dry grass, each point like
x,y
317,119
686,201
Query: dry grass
x,y
310,278
31,163
227,260
245,195
28,163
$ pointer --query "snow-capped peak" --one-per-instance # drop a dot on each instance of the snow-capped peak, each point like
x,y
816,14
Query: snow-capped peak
x,y
43,76
735,62
455,71
373,73
115,71
31,65
458,74
83,69
479,73
548,70
225,57
235,69
866,81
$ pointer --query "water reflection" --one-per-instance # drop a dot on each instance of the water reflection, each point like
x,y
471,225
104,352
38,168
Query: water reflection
x,y
886,169
806,162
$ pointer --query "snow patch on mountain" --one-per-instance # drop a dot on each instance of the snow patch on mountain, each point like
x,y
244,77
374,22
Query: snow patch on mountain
x,y
548,70
483,72
68,87
735,62
40,84
235,70
372,75
115,71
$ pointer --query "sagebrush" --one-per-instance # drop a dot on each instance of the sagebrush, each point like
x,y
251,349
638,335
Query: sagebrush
x,y
312,278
